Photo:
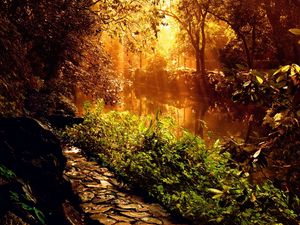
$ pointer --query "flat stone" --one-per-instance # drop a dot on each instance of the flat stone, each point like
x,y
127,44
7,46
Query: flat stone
x,y
108,174
102,199
105,184
102,170
122,201
143,223
122,223
136,207
158,211
99,178
102,209
86,196
121,194
103,219
135,214
93,185
151,220
87,206
136,199
121,218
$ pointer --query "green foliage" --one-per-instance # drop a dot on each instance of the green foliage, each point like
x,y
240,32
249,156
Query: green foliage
x,y
278,149
5,172
20,195
23,202
180,172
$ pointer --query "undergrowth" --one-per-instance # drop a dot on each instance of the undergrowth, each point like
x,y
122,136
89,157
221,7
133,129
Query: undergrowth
x,y
198,183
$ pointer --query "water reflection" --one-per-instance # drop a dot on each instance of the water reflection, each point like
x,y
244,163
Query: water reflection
x,y
191,111
181,100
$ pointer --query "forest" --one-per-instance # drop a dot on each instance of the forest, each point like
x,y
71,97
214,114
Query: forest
x,y
149,112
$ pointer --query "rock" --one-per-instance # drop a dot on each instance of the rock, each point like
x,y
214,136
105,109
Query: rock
x,y
103,219
33,152
136,207
11,219
121,218
61,121
86,196
99,209
135,214
122,223
102,199
158,211
151,220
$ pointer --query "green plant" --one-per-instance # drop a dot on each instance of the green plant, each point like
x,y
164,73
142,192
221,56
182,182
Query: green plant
x,y
179,171
26,204
7,173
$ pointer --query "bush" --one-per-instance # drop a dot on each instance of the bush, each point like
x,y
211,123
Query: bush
x,y
180,172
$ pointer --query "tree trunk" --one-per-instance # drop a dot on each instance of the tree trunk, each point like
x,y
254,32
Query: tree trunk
x,y
247,52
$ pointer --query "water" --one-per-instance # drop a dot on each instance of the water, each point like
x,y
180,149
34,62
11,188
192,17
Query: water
x,y
180,98
190,110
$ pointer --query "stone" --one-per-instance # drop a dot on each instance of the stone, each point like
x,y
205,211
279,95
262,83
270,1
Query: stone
x,y
121,218
122,223
108,174
135,214
98,210
86,196
93,185
30,149
151,220
105,184
158,211
136,207
61,121
103,219
102,199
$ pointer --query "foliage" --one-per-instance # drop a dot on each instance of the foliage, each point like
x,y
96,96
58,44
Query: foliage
x,y
20,196
48,48
5,172
157,63
25,204
277,148
180,172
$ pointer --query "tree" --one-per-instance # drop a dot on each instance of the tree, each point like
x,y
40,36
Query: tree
x,y
284,15
192,16
52,47
250,24
262,27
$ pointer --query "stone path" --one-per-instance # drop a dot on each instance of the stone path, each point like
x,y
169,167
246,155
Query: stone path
x,y
105,199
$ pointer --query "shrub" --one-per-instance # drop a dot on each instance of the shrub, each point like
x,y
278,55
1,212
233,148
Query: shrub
x,y
180,172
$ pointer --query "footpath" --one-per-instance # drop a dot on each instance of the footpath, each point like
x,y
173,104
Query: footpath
x,y
106,200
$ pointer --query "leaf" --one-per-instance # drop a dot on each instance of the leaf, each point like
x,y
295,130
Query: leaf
x,y
256,154
247,83
215,191
259,79
277,71
280,78
293,72
295,31
297,68
40,215
286,68
217,196
253,198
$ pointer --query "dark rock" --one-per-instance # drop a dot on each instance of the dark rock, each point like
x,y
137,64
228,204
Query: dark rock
x,y
61,121
34,154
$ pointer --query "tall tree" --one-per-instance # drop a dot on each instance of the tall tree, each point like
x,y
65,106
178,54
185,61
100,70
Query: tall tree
x,y
192,16
249,22
284,15
57,45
